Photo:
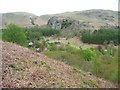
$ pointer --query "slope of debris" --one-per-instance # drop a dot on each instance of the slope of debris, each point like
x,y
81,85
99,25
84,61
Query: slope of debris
x,y
24,68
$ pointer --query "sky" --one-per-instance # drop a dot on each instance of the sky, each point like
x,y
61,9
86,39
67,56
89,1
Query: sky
x,y
41,7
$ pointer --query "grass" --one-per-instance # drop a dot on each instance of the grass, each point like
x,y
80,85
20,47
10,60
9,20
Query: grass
x,y
82,88
109,68
105,66
67,57
0,35
16,67
91,83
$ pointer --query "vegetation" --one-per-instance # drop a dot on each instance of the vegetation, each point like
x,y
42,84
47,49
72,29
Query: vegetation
x,y
90,60
99,61
0,34
100,36
15,67
14,34
36,33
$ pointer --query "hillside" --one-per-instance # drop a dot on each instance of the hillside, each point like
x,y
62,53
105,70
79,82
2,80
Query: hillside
x,y
80,21
20,18
25,68
92,19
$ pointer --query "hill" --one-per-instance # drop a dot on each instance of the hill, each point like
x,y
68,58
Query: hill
x,y
93,19
22,67
80,21
20,18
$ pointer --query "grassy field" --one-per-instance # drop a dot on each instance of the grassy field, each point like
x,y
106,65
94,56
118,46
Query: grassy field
x,y
100,65
75,42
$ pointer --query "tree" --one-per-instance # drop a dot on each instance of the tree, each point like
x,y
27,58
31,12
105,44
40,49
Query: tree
x,y
14,34
100,36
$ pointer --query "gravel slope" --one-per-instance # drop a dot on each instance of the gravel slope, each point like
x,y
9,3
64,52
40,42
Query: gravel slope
x,y
22,67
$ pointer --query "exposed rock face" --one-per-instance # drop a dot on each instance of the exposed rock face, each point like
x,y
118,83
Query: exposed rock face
x,y
81,20
78,25
67,23
89,20
54,23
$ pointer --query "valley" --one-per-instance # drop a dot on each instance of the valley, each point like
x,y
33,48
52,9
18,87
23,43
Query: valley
x,y
67,50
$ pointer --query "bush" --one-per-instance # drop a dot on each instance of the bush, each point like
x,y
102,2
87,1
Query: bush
x,y
49,32
100,36
89,60
96,66
72,50
36,33
14,34
52,47
33,35
88,54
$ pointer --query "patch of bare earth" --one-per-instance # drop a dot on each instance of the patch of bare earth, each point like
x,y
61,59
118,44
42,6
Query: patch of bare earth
x,y
22,67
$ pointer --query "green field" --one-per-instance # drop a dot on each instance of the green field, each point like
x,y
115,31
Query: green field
x,y
89,60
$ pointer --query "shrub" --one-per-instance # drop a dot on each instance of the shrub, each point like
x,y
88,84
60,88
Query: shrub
x,y
100,36
114,76
36,33
49,32
52,47
96,66
14,34
36,44
15,67
33,35
72,50
89,60
88,54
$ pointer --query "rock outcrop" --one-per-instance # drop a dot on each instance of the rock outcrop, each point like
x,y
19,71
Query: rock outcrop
x,y
63,23
78,20
85,20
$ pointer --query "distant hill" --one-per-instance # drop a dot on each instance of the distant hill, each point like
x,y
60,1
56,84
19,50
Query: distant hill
x,y
80,21
93,19
23,68
20,18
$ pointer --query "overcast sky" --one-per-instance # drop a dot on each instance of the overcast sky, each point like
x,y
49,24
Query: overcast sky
x,y
41,7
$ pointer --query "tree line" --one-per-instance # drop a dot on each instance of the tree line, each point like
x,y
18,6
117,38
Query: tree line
x,y
22,36
98,37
